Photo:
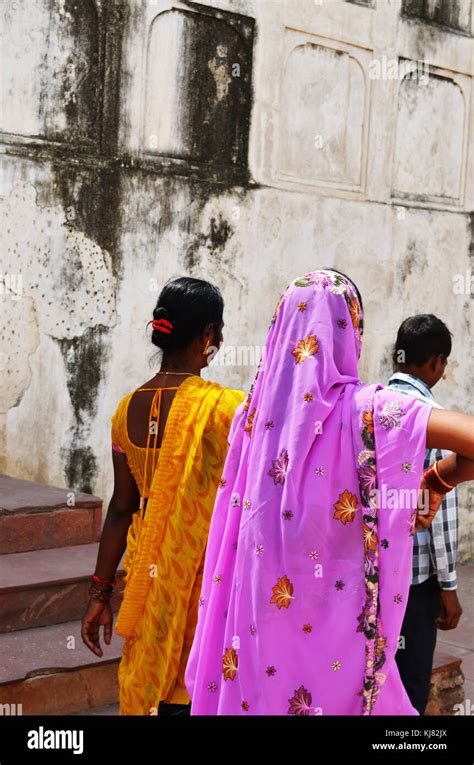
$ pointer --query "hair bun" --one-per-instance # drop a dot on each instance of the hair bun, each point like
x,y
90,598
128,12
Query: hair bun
x,y
185,307
161,313
162,326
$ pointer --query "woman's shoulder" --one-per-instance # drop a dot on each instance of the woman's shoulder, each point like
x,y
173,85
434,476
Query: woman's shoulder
x,y
122,405
386,393
388,405
226,402
225,393
225,405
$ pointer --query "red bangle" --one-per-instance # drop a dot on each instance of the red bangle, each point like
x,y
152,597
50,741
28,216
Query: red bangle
x,y
102,581
433,481
102,595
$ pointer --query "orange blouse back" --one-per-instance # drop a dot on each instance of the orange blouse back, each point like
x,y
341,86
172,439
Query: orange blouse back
x,y
142,460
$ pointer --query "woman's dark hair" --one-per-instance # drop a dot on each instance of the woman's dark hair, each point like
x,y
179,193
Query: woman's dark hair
x,y
189,305
420,337
336,271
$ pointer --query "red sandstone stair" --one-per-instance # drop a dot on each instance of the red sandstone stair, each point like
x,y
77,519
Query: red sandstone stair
x,y
49,671
48,550
108,710
46,586
36,517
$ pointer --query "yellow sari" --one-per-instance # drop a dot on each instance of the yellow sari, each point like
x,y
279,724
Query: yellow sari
x,y
164,558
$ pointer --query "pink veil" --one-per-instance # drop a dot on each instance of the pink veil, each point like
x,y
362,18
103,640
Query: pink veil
x,y
308,561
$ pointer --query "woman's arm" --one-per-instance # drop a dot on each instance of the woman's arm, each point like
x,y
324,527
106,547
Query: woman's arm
x,y
454,432
124,502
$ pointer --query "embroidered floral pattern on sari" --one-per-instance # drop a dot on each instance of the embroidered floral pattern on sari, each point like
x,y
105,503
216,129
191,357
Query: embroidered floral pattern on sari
x,y
368,476
300,703
280,468
282,593
305,349
249,423
391,415
230,664
345,507
368,622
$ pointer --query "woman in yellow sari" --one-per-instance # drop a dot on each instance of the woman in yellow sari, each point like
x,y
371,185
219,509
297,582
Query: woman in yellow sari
x,y
169,443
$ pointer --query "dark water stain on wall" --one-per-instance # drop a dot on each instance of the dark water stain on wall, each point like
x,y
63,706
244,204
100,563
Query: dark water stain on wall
x,y
80,469
219,231
91,197
212,81
366,3
84,358
409,261
214,239
72,76
218,111
447,13
414,256
91,200
85,157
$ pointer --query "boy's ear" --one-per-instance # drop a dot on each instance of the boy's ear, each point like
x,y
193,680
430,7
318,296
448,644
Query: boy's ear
x,y
437,361
208,331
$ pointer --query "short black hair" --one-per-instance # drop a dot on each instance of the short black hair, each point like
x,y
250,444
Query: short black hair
x,y
189,305
421,337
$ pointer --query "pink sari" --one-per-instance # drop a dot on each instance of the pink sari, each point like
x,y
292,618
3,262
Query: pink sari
x,y
308,562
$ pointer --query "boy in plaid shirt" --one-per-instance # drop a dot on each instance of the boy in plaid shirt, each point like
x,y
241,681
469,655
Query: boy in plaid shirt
x,y
421,353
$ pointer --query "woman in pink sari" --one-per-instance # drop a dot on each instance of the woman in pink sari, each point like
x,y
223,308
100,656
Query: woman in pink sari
x,y
308,561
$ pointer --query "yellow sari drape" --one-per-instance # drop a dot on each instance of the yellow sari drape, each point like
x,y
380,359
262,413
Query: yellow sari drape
x,y
164,558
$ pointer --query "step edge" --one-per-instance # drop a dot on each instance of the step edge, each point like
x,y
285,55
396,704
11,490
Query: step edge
x,y
58,671
42,509
52,582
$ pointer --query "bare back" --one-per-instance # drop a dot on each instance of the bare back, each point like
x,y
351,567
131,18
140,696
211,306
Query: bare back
x,y
138,416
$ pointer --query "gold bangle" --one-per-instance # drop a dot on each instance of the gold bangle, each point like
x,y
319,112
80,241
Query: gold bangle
x,y
444,483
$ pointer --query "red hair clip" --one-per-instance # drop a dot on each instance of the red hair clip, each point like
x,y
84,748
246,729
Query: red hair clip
x,y
163,325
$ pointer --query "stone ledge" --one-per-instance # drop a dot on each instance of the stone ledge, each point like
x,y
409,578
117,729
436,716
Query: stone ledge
x,y
447,689
19,496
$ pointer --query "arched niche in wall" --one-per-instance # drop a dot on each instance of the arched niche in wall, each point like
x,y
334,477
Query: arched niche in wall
x,y
322,117
197,91
430,144
51,63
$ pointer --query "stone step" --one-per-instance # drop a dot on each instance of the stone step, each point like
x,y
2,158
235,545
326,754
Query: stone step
x,y
34,516
49,671
447,682
46,587
110,709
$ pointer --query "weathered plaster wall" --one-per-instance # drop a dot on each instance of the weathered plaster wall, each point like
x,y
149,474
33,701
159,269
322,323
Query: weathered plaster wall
x,y
134,149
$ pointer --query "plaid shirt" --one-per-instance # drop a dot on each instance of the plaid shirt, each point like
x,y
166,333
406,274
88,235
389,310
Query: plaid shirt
x,y
434,549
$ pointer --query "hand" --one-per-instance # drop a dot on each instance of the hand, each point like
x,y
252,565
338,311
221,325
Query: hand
x,y
97,614
424,521
450,610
